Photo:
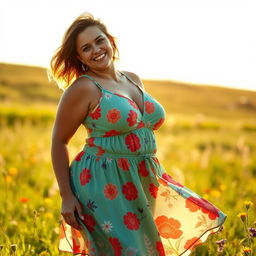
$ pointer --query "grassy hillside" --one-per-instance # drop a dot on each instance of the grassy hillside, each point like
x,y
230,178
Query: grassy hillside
x,y
25,86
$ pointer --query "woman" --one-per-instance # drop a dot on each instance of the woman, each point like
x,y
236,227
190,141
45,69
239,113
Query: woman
x,y
117,199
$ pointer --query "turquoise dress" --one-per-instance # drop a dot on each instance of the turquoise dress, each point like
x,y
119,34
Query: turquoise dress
x,y
131,205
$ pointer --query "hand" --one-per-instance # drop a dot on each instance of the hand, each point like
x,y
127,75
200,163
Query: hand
x,y
70,205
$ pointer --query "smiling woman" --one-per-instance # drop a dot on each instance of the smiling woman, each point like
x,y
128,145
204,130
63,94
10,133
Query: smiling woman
x,y
117,198
67,63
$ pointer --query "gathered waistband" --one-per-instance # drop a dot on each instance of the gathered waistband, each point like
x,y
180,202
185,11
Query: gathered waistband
x,y
119,155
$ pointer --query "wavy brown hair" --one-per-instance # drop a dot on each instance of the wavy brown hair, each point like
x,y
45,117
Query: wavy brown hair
x,y
65,66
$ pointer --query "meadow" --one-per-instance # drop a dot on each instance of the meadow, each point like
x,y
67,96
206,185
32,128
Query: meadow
x,y
207,143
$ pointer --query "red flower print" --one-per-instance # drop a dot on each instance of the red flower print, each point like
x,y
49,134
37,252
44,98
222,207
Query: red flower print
x,y
160,248
85,176
167,177
132,142
90,142
110,191
79,156
158,124
95,115
130,191
133,104
132,119
89,222
123,164
206,207
101,151
117,248
113,115
143,169
89,130
168,228
111,133
153,190
131,221
150,107
76,246
191,206
192,243
141,124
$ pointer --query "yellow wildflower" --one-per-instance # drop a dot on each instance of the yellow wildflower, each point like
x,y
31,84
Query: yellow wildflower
x,y
48,215
13,171
248,204
242,216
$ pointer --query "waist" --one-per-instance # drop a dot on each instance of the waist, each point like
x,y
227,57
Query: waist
x,y
100,152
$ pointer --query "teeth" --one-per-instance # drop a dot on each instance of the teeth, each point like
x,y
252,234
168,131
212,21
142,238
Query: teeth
x,y
100,57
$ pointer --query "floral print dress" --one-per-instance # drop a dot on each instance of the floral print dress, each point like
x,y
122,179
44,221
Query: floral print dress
x,y
131,205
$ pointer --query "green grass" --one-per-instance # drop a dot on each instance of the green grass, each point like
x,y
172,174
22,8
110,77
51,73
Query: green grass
x,y
208,143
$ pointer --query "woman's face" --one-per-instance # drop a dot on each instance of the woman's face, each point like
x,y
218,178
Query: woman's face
x,y
94,48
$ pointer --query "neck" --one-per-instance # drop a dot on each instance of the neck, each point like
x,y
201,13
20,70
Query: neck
x,y
109,74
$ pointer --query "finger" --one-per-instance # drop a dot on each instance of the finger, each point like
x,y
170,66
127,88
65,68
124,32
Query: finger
x,y
74,222
80,211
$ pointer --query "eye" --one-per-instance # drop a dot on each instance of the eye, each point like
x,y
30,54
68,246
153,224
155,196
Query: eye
x,y
86,49
100,40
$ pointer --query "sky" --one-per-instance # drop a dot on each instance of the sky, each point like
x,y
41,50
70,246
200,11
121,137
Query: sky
x,y
197,41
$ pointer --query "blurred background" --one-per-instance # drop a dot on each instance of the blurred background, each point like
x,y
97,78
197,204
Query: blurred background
x,y
197,58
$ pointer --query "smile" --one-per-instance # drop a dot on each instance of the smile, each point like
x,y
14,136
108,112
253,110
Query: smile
x,y
100,57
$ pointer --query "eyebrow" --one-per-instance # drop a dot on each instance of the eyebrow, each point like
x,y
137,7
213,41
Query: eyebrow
x,y
87,43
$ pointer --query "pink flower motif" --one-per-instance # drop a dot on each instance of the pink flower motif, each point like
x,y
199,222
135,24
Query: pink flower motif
x,y
113,115
131,221
158,124
132,142
117,248
96,114
123,164
132,119
85,176
111,133
143,169
150,107
130,191
110,191
79,156
153,190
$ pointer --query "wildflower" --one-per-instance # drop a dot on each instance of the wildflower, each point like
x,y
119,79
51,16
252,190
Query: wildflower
x,y
220,244
13,171
246,250
252,232
47,200
48,215
8,178
13,247
223,187
248,204
24,199
242,216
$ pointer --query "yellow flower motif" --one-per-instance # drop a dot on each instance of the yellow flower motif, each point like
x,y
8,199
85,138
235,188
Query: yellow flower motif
x,y
248,204
48,215
13,171
242,216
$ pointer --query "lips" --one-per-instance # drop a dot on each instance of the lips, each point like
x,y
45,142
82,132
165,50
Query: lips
x,y
99,57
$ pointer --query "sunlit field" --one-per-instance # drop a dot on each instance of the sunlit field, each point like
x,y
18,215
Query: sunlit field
x,y
207,143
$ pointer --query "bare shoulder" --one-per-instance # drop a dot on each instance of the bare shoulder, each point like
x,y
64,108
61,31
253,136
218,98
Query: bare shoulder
x,y
135,78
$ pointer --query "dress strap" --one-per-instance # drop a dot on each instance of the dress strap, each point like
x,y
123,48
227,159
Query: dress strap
x,y
95,82
130,80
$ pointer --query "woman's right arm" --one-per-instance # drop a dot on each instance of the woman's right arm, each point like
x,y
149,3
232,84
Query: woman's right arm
x,y
72,110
